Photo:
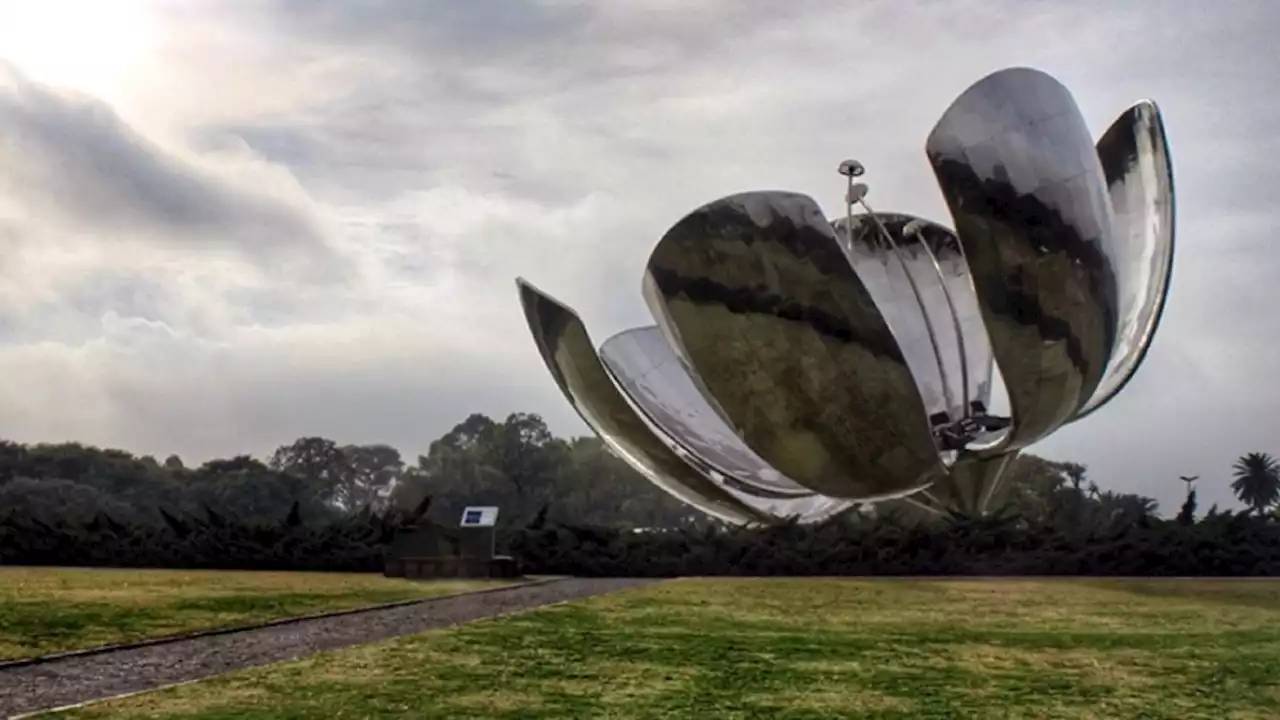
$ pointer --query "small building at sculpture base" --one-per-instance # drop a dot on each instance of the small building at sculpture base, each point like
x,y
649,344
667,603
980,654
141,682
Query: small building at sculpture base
x,y
435,568
429,551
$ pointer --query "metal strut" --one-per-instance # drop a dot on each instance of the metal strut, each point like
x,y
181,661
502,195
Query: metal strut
x,y
916,228
856,195
971,422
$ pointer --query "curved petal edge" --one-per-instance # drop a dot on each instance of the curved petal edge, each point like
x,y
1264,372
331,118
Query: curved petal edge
x,y
1135,158
661,387
1019,172
566,348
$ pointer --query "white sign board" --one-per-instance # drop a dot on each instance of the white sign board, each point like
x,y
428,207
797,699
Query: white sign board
x,y
479,517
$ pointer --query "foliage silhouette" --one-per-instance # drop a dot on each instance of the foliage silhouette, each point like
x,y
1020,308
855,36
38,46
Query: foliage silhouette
x,y
568,506
1257,481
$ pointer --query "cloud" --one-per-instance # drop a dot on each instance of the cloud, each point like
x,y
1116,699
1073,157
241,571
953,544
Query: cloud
x,y
305,216
76,165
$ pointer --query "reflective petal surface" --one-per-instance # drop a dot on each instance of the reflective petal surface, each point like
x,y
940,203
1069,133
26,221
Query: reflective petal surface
x,y
659,385
961,374
756,295
567,350
800,366
1019,172
1135,159
974,486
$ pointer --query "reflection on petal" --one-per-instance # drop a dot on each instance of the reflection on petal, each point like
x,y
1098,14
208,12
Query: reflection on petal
x,y
1135,158
655,382
755,294
1020,174
974,486
566,348
933,257
647,370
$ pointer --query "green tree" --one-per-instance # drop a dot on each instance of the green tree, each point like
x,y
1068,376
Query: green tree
x,y
598,488
13,460
367,476
246,488
521,467
317,466
60,501
517,464
1256,481
526,455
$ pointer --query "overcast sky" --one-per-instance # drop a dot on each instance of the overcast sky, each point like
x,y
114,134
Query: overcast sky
x,y
225,224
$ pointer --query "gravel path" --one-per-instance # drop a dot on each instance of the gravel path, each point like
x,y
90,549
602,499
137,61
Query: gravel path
x,y
78,679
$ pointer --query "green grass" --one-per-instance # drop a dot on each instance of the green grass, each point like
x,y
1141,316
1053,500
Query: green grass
x,y
799,649
44,610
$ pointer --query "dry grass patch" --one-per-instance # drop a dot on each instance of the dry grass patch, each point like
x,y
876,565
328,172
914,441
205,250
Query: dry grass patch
x,y
495,701
619,684
1127,668
841,703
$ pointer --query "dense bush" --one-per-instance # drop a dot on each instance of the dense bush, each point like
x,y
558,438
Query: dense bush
x,y
186,541
570,507
1220,544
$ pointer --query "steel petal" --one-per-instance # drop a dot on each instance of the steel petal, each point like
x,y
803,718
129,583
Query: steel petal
x,y
1135,158
649,373
653,379
566,348
755,294
961,374
1020,174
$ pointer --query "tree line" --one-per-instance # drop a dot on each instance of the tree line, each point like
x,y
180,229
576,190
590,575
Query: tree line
x,y
569,506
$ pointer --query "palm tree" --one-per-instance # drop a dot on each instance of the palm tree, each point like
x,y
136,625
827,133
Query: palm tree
x,y
1257,481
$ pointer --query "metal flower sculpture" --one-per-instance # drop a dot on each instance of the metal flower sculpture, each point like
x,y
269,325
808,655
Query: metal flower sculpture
x,y
800,366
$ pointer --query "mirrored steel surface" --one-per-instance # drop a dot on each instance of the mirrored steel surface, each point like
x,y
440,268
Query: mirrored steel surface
x,y
810,508
659,385
974,486
799,367
756,295
934,258
1135,159
566,348
1019,172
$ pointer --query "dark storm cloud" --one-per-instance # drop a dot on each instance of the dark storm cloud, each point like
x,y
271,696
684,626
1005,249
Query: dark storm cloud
x,y
73,158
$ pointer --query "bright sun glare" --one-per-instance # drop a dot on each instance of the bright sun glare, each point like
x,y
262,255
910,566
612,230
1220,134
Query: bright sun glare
x,y
87,45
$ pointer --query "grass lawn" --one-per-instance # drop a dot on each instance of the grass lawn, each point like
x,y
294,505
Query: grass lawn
x,y
44,610
799,649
